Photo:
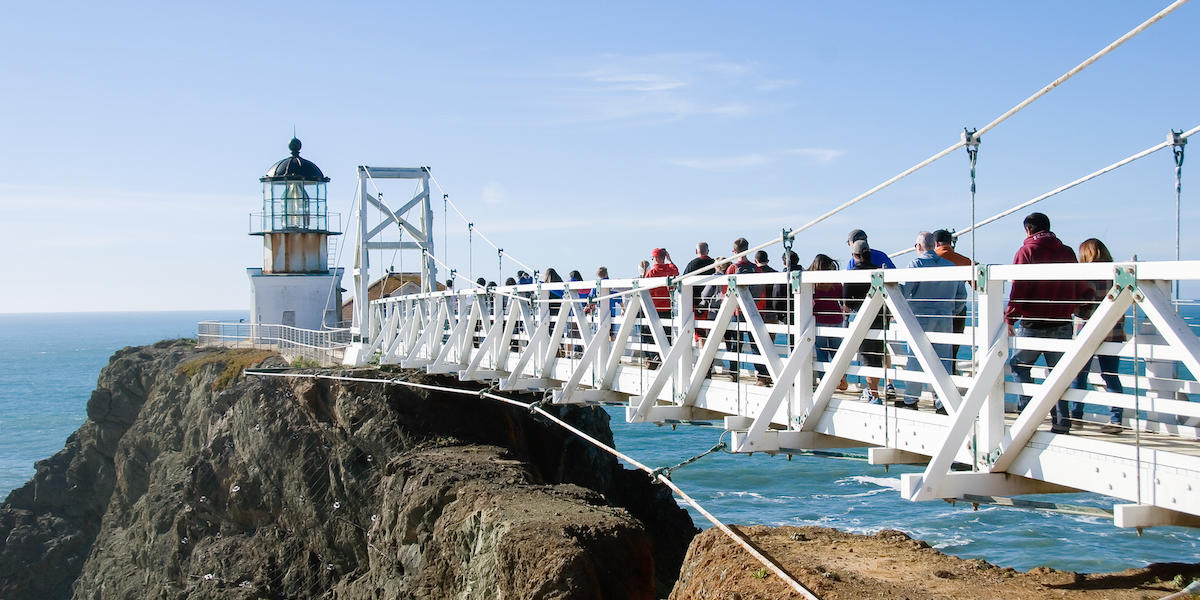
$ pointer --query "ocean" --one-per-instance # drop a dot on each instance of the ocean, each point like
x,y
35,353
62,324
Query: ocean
x,y
49,364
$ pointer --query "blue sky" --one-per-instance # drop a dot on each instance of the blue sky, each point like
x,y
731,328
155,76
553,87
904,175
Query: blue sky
x,y
133,135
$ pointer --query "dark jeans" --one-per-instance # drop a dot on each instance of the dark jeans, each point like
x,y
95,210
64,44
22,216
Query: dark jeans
x,y
648,335
1112,383
1022,361
735,340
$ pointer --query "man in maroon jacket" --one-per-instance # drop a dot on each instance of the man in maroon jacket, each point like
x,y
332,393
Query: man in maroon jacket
x,y
1041,308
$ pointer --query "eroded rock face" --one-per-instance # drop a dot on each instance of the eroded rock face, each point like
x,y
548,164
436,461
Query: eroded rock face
x,y
835,565
284,488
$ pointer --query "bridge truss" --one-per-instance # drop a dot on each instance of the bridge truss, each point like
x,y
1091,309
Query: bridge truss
x,y
603,342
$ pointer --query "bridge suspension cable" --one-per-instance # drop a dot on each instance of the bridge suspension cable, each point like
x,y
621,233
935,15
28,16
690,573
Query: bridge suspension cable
x,y
661,476
471,225
1067,186
962,142
455,274
1178,142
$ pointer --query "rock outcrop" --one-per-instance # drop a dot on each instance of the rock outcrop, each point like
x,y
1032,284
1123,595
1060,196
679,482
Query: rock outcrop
x,y
186,481
836,565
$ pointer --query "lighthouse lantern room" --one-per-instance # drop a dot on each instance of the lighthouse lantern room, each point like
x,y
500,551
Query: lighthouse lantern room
x,y
295,285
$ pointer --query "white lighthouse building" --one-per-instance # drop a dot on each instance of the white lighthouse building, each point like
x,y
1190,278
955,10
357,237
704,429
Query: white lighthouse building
x,y
295,286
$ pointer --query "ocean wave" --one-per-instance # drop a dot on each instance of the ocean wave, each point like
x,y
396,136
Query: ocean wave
x,y
868,493
884,482
754,495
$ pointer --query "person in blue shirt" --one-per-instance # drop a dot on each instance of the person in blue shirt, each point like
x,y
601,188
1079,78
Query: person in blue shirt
x,y
879,258
934,303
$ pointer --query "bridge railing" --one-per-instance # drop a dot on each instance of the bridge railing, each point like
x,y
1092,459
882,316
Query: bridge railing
x,y
321,346
751,349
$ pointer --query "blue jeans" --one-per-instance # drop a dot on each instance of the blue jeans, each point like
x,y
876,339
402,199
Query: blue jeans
x,y
1022,361
826,347
1112,383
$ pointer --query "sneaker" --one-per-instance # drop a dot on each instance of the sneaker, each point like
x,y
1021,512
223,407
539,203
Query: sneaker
x,y
903,404
941,410
1111,428
1060,429
889,391
869,397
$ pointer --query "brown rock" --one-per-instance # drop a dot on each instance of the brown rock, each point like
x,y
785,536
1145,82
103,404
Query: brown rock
x,y
177,487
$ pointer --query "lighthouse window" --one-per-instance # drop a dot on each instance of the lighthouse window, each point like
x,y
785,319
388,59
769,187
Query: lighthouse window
x,y
295,205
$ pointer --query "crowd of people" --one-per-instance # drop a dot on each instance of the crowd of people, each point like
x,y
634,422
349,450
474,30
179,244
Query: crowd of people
x,y
1036,308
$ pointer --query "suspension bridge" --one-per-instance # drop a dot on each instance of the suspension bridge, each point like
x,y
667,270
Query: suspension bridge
x,y
746,350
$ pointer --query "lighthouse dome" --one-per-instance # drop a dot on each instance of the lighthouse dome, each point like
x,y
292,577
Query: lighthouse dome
x,y
294,168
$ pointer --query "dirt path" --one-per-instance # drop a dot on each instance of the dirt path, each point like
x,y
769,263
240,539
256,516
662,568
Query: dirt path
x,y
890,564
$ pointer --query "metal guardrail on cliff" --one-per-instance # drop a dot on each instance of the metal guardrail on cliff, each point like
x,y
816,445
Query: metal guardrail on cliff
x,y
325,347
755,351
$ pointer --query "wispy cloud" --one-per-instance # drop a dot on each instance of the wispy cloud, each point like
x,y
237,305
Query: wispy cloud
x,y
493,193
774,85
659,88
820,156
722,163
619,81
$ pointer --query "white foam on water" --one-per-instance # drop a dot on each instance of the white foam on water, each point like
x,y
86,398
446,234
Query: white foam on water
x,y
940,539
952,542
746,494
884,482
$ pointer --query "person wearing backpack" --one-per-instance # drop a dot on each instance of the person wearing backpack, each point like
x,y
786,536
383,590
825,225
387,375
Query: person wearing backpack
x,y
734,335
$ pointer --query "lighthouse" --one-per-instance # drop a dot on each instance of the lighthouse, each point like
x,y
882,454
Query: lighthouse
x,y
295,286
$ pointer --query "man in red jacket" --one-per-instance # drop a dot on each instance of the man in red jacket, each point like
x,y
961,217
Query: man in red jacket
x,y
1041,308
661,296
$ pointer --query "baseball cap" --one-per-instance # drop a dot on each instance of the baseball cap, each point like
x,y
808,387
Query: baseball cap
x,y
658,252
856,234
859,247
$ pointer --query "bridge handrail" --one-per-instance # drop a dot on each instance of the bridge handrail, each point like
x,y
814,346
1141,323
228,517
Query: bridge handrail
x,y
1167,270
272,333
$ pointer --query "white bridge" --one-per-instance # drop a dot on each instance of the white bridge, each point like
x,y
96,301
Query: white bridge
x,y
579,340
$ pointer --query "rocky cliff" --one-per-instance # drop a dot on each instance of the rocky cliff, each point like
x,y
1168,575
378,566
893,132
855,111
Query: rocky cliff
x,y
188,481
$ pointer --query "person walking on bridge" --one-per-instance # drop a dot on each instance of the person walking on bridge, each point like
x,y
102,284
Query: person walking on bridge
x,y
733,335
701,265
945,249
934,303
1094,250
871,351
770,296
880,260
1042,308
661,297
827,312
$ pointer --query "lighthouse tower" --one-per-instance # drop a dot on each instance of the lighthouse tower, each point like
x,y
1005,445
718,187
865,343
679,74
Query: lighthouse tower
x,y
295,285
